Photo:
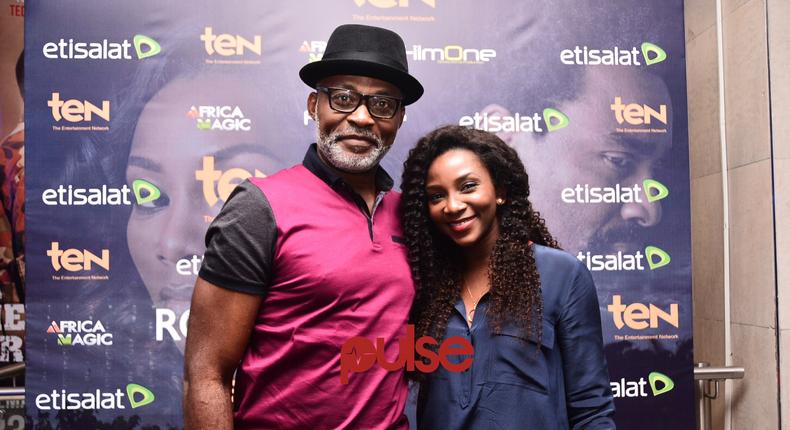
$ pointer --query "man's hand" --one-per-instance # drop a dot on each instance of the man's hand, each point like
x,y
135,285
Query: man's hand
x,y
220,323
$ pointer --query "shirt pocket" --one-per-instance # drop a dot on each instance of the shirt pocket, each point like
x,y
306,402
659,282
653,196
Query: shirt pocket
x,y
521,359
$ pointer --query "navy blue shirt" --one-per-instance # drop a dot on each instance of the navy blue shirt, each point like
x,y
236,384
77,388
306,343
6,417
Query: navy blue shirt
x,y
512,384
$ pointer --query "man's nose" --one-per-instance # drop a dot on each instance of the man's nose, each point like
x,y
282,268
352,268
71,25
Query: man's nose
x,y
361,116
642,212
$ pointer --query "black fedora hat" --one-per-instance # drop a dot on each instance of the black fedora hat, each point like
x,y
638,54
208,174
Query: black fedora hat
x,y
364,50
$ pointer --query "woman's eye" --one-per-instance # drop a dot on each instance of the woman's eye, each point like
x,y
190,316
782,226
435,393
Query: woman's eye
x,y
468,186
434,197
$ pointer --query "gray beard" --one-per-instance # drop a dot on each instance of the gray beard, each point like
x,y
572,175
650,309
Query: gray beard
x,y
348,162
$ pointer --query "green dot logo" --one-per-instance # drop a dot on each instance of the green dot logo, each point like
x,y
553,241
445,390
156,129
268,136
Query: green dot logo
x,y
658,54
203,124
655,378
144,191
654,190
64,340
656,257
145,395
151,45
555,119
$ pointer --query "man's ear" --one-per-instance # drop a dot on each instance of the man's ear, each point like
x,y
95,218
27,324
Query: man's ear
x,y
501,111
312,100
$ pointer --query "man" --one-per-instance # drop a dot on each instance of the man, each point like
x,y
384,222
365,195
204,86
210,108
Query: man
x,y
598,152
300,262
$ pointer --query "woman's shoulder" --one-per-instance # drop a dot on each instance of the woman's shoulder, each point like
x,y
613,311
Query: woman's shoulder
x,y
555,258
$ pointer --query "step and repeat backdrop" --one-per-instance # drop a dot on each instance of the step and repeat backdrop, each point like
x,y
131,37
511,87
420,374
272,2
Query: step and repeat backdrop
x,y
142,116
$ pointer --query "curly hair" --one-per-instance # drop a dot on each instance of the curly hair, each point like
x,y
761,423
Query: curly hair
x,y
515,294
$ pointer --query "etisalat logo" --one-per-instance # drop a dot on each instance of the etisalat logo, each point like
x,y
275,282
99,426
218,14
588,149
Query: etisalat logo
x,y
82,333
650,54
69,195
659,384
359,354
222,118
136,395
551,119
144,47
655,256
585,194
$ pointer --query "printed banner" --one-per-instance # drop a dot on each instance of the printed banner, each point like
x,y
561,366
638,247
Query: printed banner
x,y
147,114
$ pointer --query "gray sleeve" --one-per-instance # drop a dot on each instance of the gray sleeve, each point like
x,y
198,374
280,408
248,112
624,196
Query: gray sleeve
x,y
240,243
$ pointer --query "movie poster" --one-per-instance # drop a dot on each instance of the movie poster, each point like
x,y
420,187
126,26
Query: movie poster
x,y
146,114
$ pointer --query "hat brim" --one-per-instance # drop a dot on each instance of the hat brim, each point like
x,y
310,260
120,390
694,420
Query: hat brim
x,y
311,73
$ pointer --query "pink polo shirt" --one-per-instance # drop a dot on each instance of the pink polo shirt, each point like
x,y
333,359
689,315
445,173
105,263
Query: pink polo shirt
x,y
335,273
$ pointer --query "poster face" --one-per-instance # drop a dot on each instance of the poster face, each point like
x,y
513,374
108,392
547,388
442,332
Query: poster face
x,y
147,114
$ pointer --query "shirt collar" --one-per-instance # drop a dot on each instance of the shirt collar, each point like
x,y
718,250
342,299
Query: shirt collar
x,y
316,166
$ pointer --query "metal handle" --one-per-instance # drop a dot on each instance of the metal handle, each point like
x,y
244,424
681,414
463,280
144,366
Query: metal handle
x,y
708,379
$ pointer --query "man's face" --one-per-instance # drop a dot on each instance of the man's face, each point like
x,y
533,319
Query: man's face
x,y
353,142
589,153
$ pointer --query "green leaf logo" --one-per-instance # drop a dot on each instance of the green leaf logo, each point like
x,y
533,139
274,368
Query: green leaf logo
x,y
667,384
135,389
139,186
654,190
555,119
152,46
64,339
654,251
650,48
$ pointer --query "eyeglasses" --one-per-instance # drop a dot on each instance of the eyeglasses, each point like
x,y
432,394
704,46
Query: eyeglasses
x,y
347,101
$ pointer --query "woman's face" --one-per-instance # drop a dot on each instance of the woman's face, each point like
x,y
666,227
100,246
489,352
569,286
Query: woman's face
x,y
194,169
462,199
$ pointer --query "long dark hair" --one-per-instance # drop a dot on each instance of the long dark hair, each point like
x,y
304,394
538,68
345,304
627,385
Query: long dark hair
x,y
435,260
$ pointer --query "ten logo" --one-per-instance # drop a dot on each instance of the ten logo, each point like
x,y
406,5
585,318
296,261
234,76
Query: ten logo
x,y
638,316
636,114
225,181
73,110
74,260
137,395
228,44
386,4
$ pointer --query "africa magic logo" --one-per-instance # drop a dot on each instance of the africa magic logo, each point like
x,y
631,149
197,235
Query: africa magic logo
x,y
80,333
550,120
135,395
219,118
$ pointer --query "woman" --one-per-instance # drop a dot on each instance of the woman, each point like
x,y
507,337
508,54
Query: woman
x,y
487,269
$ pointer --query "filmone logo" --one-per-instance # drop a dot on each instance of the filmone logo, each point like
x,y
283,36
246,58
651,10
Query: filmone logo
x,y
554,119
452,54
228,45
225,181
73,110
636,114
638,316
136,394
386,4
359,354
224,118
584,193
74,260
85,333
651,53
314,49
144,192
144,47
625,388
656,258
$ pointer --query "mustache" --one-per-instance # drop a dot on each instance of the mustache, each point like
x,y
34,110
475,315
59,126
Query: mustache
x,y
352,130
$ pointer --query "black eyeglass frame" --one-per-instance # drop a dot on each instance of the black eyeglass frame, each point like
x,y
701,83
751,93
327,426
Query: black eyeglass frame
x,y
363,98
